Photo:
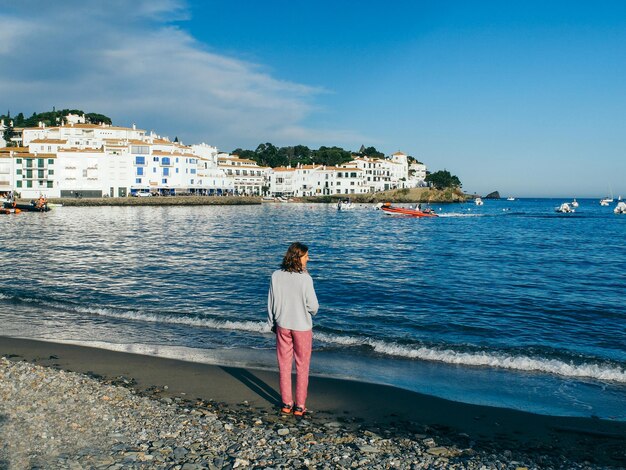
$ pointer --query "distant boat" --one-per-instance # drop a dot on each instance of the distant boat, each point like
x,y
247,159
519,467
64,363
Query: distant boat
x,y
564,208
478,201
620,208
607,200
510,198
574,203
388,209
345,204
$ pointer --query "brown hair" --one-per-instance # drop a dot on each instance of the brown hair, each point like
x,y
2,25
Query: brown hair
x,y
291,262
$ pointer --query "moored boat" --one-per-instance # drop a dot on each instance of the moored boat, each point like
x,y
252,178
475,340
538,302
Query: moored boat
x,y
564,208
387,208
39,205
478,201
574,203
620,208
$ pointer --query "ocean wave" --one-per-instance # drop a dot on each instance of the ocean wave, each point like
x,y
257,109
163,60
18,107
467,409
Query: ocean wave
x,y
483,359
494,359
253,326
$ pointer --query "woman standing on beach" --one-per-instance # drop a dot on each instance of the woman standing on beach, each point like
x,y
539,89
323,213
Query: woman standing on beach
x,y
291,303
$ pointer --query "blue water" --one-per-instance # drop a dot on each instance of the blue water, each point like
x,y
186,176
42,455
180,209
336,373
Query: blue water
x,y
508,304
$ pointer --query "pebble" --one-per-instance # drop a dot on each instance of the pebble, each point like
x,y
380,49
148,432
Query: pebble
x,y
58,419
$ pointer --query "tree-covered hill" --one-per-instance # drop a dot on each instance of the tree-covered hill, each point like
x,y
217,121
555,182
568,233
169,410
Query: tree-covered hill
x,y
268,154
52,118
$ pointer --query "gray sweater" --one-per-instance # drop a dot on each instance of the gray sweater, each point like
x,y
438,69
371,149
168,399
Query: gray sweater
x,y
291,301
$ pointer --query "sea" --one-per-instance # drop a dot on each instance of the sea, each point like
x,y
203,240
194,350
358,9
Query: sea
x,y
509,304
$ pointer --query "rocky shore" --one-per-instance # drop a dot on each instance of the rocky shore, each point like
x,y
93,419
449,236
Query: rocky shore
x,y
51,418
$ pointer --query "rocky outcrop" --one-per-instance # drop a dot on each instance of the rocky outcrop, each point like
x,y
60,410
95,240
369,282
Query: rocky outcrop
x,y
493,195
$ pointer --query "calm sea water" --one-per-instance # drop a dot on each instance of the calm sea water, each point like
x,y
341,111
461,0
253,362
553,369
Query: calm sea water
x,y
508,304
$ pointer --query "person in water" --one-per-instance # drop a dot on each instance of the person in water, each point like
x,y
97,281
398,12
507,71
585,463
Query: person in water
x,y
291,304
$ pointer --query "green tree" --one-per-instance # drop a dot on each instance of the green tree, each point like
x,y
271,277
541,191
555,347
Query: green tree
x,y
95,118
331,156
372,152
248,154
443,179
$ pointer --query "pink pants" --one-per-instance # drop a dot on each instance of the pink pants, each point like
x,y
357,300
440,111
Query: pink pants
x,y
290,343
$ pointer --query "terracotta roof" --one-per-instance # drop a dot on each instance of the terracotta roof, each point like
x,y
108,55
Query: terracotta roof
x,y
48,141
75,150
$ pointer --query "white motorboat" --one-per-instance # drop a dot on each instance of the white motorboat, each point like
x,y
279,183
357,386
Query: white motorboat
x,y
564,208
511,198
574,203
620,208
345,204
606,201
478,201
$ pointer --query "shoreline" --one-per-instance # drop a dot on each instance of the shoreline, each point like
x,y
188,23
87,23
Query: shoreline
x,y
358,406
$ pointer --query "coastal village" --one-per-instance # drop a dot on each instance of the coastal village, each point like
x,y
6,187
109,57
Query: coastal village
x,y
79,159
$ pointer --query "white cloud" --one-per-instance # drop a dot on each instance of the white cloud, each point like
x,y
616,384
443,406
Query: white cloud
x,y
124,60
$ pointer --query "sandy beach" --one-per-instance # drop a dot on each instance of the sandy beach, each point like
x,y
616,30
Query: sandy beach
x,y
443,434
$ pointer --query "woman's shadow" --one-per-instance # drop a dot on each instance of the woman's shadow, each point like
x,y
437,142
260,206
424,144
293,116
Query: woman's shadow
x,y
254,383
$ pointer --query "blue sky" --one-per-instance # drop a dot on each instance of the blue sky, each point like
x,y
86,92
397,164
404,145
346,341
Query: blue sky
x,y
527,98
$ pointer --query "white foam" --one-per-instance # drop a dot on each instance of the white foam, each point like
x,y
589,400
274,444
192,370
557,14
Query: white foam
x,y
257,327
457,214
449,356
485,359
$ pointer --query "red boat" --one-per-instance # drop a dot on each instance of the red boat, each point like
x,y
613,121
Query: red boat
x,y
405,211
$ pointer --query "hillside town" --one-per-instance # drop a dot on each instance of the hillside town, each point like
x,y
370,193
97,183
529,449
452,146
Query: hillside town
x,y
79,159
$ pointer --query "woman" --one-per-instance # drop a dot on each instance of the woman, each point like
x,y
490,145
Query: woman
x,y
291,303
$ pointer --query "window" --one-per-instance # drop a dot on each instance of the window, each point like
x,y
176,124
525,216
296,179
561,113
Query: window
x,y
18,184
138,180
154,170
84,173
29,163
166,171
193,171
140,160
140,172
177,168
176,159
164,180
29,173
29,184
49,184
50,172
18,161
50,161
19,172
140,149
40,174
155,159
165,161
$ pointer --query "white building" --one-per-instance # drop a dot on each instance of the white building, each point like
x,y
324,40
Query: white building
x,y
89,160
359,176
248,177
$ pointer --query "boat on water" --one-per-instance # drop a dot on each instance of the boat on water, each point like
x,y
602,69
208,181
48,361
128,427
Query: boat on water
x,y
620,208
388,209
345,204
39,205
510,198
564,208
606,201
478,201
574,203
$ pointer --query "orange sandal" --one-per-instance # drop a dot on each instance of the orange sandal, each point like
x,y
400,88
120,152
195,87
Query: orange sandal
x,y
299,411
286,409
